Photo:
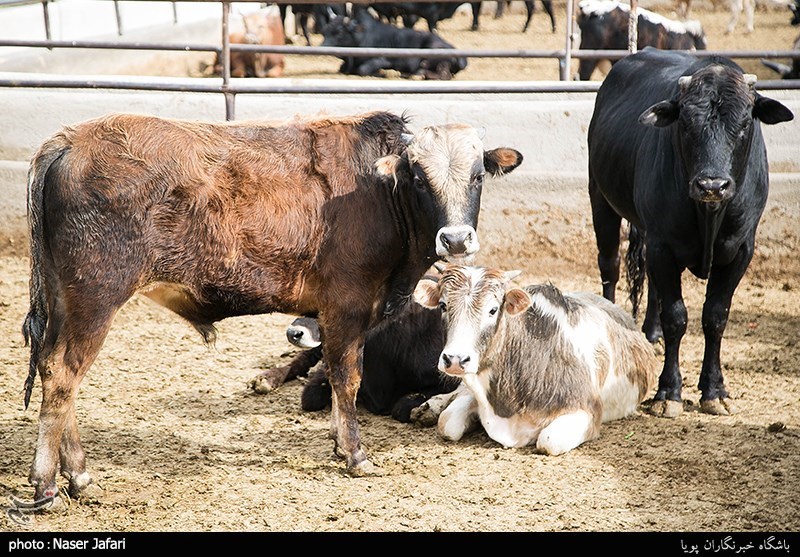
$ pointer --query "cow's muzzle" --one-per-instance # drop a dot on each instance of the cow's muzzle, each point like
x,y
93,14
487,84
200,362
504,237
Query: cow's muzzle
x,y
457,242
706,189
456,364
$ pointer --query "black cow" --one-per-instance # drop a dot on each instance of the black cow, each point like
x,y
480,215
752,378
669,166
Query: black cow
x,y
604,26
319,13
530,9
400,364
431,12
365,31
675,148
785,71
795,12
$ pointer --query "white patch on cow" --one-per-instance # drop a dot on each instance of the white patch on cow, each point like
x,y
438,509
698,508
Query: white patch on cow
x,y
620,396
564,433
462,335
517,431
584,336
448,155
601,7
459,417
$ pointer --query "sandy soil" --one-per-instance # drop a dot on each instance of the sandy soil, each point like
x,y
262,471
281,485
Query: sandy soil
x,y
176,441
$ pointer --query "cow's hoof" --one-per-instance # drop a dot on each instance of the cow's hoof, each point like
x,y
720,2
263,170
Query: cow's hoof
x,y
363,469
265,382
424,416
85,490
44,501
78,483
718,407
666,408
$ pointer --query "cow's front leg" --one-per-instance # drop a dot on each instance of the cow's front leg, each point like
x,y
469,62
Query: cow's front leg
x,y
719,293
460,417
373,66
665,276
427,414
344,355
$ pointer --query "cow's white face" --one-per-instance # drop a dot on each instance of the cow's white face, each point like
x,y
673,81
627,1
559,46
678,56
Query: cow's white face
x,y
447,165
473,302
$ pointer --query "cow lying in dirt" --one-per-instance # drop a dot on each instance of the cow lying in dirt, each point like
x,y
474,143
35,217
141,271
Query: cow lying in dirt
x,y
538,366
401,358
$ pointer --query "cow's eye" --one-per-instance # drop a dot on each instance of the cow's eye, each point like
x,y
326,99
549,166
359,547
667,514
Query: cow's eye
x,y
442,306
494,310
419,182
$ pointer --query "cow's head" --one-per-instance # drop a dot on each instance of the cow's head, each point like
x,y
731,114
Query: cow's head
x,y
341,31
444,167
474,302
716,110
304,332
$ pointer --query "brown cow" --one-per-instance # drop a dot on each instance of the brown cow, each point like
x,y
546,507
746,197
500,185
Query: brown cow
x,y
330,217
262,28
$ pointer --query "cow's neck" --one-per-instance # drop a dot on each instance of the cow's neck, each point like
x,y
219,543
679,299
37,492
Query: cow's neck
x,y
417,236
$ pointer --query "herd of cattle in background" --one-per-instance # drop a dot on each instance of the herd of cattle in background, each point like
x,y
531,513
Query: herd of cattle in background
x,y
602,25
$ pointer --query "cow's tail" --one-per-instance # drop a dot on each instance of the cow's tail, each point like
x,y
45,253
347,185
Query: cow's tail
x,y
635,267
33,329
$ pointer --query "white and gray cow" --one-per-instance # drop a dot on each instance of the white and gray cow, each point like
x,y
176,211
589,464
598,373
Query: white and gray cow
x,y
538,366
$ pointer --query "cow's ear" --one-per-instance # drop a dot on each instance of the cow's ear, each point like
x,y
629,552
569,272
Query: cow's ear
x,y
517,301
771,111
426,293
660,114
501,161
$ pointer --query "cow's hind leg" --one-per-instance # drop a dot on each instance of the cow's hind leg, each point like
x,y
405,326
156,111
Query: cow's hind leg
x,y
72,343
606,224
665,276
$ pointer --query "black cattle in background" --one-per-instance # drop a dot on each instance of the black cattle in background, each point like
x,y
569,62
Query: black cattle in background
x,y
320,14
530,9
786,71
603,25
676,149
431,12
365,31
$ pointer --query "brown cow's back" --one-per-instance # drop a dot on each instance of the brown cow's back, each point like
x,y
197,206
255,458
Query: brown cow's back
x,y
202,211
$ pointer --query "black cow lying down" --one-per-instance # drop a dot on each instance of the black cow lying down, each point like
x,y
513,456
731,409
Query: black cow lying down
x,y
400,364
365,31
786,71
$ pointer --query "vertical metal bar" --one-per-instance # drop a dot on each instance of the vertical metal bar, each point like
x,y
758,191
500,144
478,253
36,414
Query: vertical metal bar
x,y
45,4
633,28
119,17
175,13
226,62
566,62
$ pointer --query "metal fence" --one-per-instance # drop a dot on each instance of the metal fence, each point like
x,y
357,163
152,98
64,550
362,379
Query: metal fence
x,y
230,88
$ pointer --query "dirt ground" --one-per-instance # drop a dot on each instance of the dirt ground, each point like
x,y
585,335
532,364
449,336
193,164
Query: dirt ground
x,y
177,442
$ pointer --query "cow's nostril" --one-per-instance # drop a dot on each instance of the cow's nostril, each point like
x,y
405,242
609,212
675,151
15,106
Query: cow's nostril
x,y
294,336
464,360
446,360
